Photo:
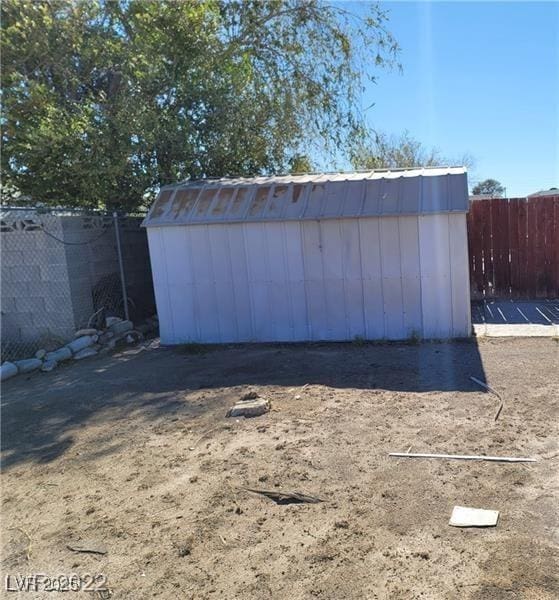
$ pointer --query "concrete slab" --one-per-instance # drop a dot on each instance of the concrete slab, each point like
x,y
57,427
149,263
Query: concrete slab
x,y
515,330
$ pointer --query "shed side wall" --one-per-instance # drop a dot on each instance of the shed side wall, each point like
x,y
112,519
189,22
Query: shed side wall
x,y
375,278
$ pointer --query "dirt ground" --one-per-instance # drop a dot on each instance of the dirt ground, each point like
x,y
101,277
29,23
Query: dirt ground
x,y
134,453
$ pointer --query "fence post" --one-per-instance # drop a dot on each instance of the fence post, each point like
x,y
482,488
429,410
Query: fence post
x,y
121,266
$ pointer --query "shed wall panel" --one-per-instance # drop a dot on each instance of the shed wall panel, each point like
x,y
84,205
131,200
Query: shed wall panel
x,y
279,283
180,282
373,303
411,275
332,268
206,293
222,272
315,286
436,297
378,278
353,282
292,241
160,283
241,292
460,273
391,278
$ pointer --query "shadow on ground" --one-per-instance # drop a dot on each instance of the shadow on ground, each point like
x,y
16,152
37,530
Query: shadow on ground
x,y
42,412
516,312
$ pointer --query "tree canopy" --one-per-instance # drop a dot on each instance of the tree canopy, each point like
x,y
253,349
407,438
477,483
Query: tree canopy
x,y
490,187
105,101
379,150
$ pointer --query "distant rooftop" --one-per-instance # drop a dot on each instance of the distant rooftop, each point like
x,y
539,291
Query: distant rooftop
x,y
312,196
550,192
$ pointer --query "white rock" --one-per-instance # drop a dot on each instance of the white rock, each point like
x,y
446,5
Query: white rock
x,y
85,353
28,364
87,331
40,354
7,370
112,321
59,355
48,366
249,408
81,343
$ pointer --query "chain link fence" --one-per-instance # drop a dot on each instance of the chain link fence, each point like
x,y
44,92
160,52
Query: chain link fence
x,y
63,268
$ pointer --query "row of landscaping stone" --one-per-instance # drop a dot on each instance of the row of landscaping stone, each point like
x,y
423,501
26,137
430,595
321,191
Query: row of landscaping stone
x,y
87,342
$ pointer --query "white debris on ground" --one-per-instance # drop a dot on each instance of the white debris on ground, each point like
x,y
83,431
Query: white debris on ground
x,y
87,342
464,516
85,353
7,370
27,365
250,405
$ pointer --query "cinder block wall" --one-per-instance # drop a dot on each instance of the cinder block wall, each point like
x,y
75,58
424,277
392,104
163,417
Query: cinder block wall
x,y
48,284
88,263
35,298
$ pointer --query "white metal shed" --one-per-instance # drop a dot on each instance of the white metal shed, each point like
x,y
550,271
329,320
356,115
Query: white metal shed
x,y
375,255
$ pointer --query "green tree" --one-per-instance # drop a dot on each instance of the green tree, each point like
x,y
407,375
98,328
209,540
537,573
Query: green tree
x,y
105,101
490,187
381,151
301,163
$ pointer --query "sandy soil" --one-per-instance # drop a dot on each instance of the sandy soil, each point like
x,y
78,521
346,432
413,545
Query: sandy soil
x,y
133,452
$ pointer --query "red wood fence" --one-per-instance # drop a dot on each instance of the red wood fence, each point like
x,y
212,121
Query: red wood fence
x,y
514,247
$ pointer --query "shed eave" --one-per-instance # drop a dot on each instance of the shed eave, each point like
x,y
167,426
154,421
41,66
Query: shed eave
x,y
293,219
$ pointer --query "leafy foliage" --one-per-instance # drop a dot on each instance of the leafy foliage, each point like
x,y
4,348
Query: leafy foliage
x,y
491,187
381,151
105,101
301,163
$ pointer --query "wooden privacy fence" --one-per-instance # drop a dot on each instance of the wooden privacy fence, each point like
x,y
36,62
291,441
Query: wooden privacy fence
x,y
514,247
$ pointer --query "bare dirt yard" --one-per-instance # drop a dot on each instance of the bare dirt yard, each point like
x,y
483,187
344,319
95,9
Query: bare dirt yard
x,y
133,455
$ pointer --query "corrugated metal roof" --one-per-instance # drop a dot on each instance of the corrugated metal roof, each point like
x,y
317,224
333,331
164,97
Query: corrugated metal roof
x,y
322,196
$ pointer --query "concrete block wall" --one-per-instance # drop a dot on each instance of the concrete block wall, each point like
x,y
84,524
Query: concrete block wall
x,y
87,263
34,301
47,284
97,264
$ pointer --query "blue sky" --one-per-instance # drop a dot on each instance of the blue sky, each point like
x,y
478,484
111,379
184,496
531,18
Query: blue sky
x,y
479,78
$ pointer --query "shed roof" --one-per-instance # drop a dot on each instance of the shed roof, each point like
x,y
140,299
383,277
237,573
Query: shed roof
x,y
318,196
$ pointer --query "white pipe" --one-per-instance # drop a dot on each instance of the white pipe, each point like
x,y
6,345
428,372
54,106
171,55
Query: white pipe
x,y
463,457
